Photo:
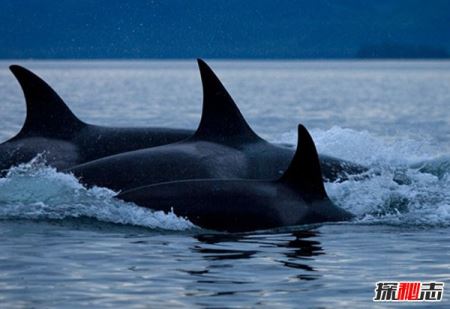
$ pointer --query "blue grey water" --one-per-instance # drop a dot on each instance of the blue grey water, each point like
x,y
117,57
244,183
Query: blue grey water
x,y
62,245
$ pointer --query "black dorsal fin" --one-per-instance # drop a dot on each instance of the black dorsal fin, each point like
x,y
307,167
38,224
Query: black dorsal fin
x,y
304,173
47,114
221,119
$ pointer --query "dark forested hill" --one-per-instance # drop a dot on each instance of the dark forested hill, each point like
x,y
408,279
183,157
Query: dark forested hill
x,y
223,29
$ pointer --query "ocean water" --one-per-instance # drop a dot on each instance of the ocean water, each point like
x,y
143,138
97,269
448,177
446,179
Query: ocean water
x,y
62,245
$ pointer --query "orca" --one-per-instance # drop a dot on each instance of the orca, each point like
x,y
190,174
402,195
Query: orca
x,y
52,129
224,146
236,205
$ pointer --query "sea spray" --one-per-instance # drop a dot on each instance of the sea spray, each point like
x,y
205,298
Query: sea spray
x,y
37,191
408,182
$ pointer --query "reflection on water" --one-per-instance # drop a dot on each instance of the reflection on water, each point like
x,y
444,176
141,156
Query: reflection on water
x,y
95,264
231,262
295,245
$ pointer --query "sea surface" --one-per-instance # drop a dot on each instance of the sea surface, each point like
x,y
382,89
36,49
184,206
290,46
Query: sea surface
x,y
62,245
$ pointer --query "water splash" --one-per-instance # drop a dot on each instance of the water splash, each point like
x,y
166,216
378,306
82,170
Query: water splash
x,y
409,182
36,191
367,148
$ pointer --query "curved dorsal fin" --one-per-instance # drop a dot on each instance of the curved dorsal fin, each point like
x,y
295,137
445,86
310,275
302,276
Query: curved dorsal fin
x,y
304,173
47,114
221,119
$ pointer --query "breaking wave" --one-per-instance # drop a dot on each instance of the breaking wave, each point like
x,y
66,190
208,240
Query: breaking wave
x,y
408,184
38,192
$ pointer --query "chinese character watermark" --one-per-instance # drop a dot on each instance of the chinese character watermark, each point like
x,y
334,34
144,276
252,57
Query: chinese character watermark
x,y
409,291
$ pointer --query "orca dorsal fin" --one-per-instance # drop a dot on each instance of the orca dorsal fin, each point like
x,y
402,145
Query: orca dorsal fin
x,y
46,113
221,119
304,173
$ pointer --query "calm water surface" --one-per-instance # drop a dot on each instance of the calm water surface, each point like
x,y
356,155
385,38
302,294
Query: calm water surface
x,y
62,245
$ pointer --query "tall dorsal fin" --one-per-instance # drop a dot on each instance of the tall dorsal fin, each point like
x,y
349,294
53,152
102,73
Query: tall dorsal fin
x,y
221,119
304,173
47,114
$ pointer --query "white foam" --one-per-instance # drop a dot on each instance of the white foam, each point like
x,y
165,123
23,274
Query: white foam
x,y
36,191
366,148
396,192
